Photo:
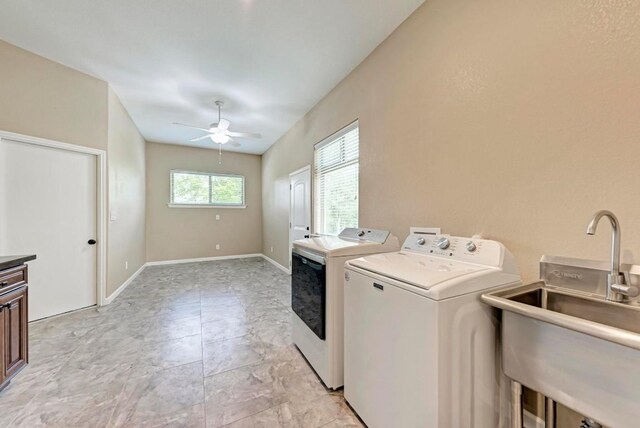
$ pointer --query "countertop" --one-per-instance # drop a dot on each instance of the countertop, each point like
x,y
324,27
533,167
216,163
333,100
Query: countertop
x,y
7,262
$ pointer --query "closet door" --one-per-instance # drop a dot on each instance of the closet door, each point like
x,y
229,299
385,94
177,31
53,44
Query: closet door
x,y
49,209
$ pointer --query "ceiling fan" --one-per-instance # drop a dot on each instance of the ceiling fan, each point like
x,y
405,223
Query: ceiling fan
x,y
219,132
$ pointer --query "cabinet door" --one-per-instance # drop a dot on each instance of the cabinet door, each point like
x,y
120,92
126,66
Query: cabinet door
x,y
14,314
3,371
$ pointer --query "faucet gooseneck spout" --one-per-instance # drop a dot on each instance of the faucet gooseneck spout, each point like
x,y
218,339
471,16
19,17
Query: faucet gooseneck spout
x,y
617,290
615,237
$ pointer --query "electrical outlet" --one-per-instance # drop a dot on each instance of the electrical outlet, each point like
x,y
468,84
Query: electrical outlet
x,y
272,249
217,246
126,265
217,216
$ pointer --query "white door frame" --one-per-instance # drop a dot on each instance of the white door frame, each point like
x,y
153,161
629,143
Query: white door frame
x,y
101,199
291,174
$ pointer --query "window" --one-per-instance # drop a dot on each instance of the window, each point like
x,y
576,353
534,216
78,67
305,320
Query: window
x,y
206,189
336,181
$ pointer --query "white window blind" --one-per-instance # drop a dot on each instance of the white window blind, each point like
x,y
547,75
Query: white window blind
x,y
336,181
206,189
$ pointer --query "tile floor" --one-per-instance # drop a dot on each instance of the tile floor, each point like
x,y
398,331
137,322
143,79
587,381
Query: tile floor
x,y
190,345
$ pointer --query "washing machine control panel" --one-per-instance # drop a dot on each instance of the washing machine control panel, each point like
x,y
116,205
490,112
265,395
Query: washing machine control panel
x,y
471,250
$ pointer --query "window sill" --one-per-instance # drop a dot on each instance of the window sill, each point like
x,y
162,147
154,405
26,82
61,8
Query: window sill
x,y
206,206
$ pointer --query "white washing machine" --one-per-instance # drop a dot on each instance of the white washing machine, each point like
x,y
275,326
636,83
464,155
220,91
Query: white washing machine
x,y
420,346
317,280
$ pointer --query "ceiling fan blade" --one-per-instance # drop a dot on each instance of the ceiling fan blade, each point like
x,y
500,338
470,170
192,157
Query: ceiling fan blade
x,y
223,125
244,134
200,138
190,126
235,144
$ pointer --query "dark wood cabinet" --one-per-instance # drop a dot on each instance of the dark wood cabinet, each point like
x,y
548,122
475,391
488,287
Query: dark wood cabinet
x,y
13,322
14,334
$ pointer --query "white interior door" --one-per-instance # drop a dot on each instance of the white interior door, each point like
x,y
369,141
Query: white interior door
x,y
300,209
49,209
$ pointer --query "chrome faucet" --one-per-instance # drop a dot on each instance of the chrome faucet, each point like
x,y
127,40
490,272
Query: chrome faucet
x,y
619,286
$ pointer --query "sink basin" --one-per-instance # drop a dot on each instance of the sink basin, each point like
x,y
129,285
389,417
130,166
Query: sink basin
x,y
616,315
615,322
573,346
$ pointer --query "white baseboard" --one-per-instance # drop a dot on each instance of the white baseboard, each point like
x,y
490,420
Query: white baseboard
x,y
124,285
276,264
202,259
532,421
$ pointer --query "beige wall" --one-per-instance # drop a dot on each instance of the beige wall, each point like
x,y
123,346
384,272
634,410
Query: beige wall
x,y
183,233
126,196
517,120
42,98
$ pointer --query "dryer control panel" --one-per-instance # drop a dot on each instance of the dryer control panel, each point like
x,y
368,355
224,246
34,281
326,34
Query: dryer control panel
x,y
364,234
470,250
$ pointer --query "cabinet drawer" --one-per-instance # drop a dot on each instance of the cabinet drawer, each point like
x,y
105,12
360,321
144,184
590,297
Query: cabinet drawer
x,y
13,277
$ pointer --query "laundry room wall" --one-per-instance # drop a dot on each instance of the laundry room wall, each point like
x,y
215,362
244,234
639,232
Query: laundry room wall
x,y
514,120
127,198
42,98
186,233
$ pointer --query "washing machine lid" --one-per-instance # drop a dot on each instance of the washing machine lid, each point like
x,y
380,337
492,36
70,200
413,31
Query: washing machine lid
x,y
416,269
330,245
373,241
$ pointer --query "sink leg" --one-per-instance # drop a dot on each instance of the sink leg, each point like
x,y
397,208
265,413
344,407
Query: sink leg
x,y
516,405
550,413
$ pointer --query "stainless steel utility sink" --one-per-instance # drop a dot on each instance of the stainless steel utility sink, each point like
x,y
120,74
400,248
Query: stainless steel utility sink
x,y
560,337
592,315
622,316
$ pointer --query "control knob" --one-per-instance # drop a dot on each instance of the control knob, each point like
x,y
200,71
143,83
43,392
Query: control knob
x,y
361,233
421,241
443,243
471,246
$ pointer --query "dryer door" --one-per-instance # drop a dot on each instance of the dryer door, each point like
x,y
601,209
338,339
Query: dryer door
x,y
308,292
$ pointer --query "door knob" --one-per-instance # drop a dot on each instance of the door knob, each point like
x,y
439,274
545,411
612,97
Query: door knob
x,y
91,242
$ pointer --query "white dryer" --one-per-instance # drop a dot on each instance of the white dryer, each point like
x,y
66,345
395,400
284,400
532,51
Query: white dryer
x,y
420,346
317,273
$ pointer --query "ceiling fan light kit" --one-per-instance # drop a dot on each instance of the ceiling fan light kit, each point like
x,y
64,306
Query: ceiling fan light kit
x,y
220,138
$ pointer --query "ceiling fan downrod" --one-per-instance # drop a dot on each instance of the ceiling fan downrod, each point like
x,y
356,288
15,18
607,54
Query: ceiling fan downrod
x,y
219,103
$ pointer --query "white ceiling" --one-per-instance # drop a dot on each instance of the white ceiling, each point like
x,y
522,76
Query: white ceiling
x,y
169,60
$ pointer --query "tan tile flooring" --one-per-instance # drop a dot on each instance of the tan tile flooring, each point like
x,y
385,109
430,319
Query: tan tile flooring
x,y
189,345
